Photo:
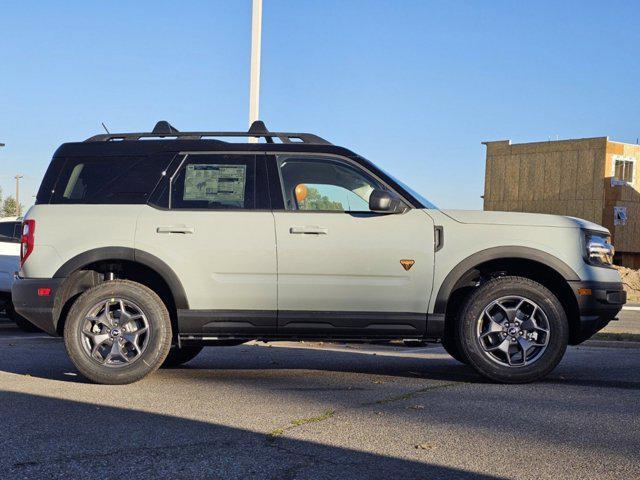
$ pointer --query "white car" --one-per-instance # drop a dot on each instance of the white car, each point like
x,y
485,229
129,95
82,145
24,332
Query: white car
x,y
10,232
140,253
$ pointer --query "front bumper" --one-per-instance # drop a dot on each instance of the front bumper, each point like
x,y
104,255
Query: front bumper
x,y
598,304
42,311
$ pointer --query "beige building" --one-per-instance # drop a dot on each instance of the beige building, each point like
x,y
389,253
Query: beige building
x,y
591,178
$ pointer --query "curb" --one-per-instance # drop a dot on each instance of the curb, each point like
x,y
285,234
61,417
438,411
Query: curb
x,y
610,344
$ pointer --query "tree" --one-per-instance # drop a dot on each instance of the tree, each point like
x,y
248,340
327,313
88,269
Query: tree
x,y
316,201
10,207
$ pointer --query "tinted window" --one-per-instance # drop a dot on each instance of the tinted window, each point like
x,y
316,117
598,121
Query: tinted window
x,y
325,184
218,182
10,231
108,180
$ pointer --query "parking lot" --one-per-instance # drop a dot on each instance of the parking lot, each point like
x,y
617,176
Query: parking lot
x,y
301,410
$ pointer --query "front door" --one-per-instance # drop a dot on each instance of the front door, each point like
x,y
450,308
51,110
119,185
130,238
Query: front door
x,y
218,237
342,269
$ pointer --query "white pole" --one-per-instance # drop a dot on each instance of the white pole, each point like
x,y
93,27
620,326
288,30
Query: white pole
x,y
18,177
254,83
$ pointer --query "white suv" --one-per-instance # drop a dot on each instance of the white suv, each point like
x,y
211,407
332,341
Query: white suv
x,y
142,252
10,232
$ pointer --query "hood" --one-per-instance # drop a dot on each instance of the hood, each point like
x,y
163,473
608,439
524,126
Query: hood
x,y
523,219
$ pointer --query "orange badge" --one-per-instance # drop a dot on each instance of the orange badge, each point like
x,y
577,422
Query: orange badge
x,y
407,264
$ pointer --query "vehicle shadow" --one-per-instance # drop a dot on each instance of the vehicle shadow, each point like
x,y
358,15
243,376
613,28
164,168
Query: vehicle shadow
x,y
47,437
45,358
435,365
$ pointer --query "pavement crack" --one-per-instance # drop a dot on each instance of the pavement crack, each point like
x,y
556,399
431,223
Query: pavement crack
x,y
411,394
278,432
272,435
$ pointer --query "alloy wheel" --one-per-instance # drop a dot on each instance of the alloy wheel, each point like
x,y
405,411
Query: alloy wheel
x,y
513,331
115,332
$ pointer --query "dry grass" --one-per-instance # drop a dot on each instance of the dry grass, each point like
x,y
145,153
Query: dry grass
x,y
631,281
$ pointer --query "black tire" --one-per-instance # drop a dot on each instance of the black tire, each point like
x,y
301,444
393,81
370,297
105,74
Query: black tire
x,y
22,323
453,348
179,356
158,336
509,287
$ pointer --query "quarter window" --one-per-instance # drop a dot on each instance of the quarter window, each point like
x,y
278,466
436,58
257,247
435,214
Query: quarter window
x,y
325,184
108,180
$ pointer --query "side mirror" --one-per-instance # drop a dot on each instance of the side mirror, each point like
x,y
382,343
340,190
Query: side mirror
x,y
381,201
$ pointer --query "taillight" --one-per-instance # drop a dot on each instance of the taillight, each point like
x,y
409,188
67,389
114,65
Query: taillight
x,y
26,240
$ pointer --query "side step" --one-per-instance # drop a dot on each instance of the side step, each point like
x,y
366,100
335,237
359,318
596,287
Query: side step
x,y
204,340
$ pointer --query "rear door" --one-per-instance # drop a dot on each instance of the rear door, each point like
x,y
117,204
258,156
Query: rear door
x,y
343,269
217,235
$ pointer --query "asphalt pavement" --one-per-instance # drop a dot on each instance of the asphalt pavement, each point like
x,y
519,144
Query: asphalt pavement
x,y
310,410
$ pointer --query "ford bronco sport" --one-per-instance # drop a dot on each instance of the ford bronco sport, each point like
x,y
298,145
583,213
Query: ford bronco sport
x,y
142,248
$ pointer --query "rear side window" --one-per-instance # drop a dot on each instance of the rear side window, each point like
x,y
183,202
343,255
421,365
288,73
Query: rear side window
x,y
108,180
215,182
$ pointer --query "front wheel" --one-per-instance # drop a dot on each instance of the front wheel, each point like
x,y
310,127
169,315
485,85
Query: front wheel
x,y
117,332
452,347
179,356
513,330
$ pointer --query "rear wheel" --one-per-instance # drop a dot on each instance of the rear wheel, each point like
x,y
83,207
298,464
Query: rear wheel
x,y
118,332
513,330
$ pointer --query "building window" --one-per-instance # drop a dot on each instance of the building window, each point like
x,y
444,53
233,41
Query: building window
x,y
619,215
623,170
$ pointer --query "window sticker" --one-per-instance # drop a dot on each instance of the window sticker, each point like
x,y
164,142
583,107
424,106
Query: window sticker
x,y
215,182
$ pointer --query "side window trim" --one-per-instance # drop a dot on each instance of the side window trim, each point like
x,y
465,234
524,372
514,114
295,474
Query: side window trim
x,y
173,176
164,182
276,198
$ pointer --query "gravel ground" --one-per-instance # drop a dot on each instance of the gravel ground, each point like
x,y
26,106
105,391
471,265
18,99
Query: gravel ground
x,y
300,410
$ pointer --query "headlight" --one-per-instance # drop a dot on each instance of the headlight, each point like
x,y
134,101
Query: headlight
x,y
598,249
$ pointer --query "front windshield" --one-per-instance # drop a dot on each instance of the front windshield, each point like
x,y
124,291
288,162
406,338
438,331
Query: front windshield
x,y
412,192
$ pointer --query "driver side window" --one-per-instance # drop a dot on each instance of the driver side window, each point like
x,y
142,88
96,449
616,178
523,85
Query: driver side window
x,y
324,185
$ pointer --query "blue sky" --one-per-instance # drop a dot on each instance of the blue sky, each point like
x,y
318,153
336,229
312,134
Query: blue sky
x,y
414,86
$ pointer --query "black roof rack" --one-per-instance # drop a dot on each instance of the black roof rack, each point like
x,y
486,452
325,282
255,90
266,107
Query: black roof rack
x,y
164,129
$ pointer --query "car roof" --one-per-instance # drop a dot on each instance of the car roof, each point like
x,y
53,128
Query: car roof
x,y
144,147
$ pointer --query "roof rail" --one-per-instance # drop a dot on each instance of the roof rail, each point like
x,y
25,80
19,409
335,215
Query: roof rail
x,y
164,129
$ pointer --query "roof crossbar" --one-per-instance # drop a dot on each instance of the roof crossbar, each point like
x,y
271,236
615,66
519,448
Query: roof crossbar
x,y
164,129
